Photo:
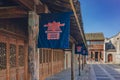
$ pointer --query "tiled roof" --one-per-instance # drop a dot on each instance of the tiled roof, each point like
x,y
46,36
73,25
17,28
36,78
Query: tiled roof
x,y
111,50
94,36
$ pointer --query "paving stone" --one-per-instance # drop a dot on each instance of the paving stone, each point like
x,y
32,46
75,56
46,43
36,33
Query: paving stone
x,y
103,79
117,77
66,75
101,76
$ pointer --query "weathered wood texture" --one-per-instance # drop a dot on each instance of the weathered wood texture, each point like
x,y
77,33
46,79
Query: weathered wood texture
x,y
15,26
33,24
12,12
19,8
26,4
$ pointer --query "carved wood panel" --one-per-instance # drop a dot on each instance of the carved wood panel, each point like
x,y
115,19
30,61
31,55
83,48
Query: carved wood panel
x,y
11,53
3,58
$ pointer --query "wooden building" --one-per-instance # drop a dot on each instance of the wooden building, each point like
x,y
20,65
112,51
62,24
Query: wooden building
x,y
95,43
19,21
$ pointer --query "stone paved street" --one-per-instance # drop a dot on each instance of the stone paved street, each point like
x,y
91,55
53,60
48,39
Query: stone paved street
x,y
91,72
105,72
66,75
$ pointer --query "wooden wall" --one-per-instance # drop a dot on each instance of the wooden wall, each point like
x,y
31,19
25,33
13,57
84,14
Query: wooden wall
x,y
13,50
14,53
51,62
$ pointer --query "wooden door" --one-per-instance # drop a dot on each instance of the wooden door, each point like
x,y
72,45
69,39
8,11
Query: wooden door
x,y
12,57
3,57
110,58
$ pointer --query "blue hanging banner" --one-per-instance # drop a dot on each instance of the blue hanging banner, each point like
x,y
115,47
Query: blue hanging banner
x,y
78,49
85,52
54,30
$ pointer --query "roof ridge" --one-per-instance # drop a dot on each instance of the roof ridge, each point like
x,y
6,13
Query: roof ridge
x,y
94,36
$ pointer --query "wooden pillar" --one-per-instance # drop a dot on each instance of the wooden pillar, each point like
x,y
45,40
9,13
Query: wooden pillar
x,y
17,62
79,64
90,58
65,61
52,62
72,61
82,61
26,61
98,56
102,53
8,61
32,49
94,55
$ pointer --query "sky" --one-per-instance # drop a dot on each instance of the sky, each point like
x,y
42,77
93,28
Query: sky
x,y
101,16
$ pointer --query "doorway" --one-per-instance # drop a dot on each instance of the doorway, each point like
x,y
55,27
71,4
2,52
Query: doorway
x,y
96,56
110,59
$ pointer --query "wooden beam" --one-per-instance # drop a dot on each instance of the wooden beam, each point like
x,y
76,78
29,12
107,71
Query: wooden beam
x,y
12,12
57,6
72,40
30,5
40,8
78,23
26,4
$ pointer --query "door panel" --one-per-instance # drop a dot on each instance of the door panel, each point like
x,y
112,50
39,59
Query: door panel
x,y
3,58
12,53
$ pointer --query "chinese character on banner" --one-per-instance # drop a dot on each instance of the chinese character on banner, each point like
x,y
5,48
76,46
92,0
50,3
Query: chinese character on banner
x,y
54,30
84,52
79,48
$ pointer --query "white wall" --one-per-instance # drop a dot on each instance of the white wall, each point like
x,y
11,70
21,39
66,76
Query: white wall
x,y
116,42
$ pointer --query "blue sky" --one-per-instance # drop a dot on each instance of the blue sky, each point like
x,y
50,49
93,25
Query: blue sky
x,y
101,16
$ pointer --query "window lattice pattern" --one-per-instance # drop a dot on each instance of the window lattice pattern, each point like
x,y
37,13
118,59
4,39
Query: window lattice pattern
x,y
12,55
41,56
2,56
44,55
21,55
49,56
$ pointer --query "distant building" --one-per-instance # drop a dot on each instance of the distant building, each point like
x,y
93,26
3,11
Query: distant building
x,y
112,49
95,43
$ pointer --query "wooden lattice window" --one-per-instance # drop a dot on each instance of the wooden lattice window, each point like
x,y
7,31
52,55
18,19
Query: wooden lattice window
x,y
21,55
49,57
12,55
2,56
44,52
54,55
41,55
46,56
58,56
